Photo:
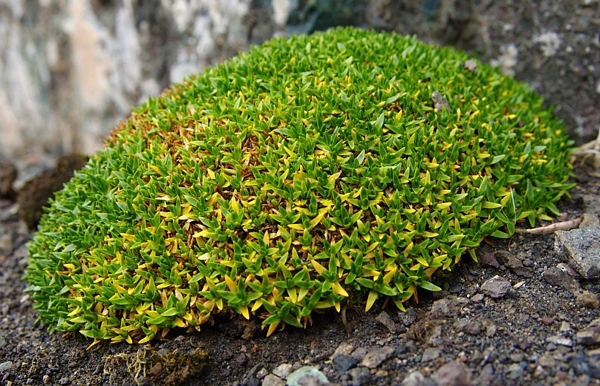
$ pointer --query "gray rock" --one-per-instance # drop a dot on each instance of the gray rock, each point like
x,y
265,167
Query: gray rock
x,y
408,317
342,363
514,371
261,373
377,355
417,379
344,348
359,353
8,175
588,300
582,247
430,354
443,308
385,319
591,334
471,327
273,380
560,340
488,259
5,366
495,287
453,373
283,370
2,341
360,376
306,375
558,277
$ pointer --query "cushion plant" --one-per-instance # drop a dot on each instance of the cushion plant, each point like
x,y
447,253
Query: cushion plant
x,y
307,171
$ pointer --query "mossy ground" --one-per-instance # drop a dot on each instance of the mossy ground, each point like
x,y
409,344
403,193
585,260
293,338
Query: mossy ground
x,y
290,178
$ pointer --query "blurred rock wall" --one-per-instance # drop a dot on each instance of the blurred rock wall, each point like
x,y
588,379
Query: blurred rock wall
x,y
70,70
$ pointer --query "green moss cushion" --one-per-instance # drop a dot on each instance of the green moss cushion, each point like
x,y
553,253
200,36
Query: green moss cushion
x,y
309,170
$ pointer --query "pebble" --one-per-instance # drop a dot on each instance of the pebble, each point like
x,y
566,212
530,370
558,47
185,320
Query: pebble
x,y
488,259
344,348
591,334
283,370
2,341
359,353
495,287
430,354
360,376
546,361
588,300
261,373
273,380
513,263
408,318
5,366
385,319
558,277
471,327
417,379
343,363
452,373
560,340
377,355
306,374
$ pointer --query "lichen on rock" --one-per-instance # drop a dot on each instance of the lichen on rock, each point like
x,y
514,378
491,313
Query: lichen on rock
x,y
293,177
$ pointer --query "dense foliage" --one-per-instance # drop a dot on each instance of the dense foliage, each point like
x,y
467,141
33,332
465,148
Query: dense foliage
x,y
309,170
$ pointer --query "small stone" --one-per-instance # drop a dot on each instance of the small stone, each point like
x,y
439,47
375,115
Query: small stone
x,y
488,259
385,319
360,376
516,357
306,374
261,373
452,373
283,370
417,379
377,355
5,366
547,320
591,334
495,287
588,300
430,354
2,341
359,353
490,330
556,276
477,298
273,380
546,361
342,363
408,317
513,263
514,371
8,175
471,327
560,340
443,308
582,247
344,348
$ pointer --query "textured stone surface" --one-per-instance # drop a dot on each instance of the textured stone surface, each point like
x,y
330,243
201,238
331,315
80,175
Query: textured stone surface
x,y
582,247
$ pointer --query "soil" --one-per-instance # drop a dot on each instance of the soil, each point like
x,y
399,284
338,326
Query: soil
x,y
520,327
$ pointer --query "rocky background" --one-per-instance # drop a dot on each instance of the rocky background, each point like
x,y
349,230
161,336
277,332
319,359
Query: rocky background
x,y
70,70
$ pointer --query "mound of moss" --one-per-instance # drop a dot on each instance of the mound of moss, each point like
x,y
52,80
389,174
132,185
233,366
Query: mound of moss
x,y
307,171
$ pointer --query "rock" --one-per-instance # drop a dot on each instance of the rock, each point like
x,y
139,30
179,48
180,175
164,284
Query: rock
x,y
452,373
359,353
417,379
4,366
495,287
588,300
306,374
430,354
360,376
344,348
408,317
513,263
261,373
385,319
377,355
2,341
546,361
558,277
273,380
444,308
560,340
582,247
34,195
8,175
283,370
471,327
591,334
488,259
342,363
